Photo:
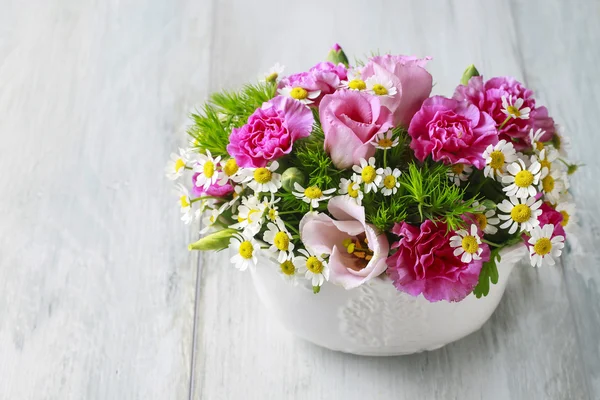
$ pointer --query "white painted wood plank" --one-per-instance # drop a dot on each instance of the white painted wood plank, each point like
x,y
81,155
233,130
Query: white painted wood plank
x,y
529,349
96,285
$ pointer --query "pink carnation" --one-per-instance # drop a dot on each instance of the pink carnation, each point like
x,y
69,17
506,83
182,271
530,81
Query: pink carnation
x,y
425,263
213,190
451,132
325,76
270,132
488,97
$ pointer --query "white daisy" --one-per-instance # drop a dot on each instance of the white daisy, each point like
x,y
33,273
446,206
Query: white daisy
x,y
459,173
561,142
546,158
515,109
271,210
210,218
467,244
312,266
553,184
245,251
521,213
354,81
497,157
522,180
230,171
236,197
545,248
185,204
312,194
486,220
250,216
379,86
273,74
280,240
288,271
263,179
534,138
567,210
351,189
368,174
390,182
207,167
176,165
384,140
300,94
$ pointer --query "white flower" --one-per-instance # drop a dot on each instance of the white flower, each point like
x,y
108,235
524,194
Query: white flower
x,y
176,165
273,74
380,86
534,138
245,251
207,167
467,244
514,110
553,184
250,216
522,180
230,170
368,174
263,179
520,212
497,157
384,140
271,210
300,94
209,220
351,189
390,182
280,240
567,210
185,203
486,220
459,173
312,194
288,271
313,266
236,197
561,142
544,248
354,81
546,158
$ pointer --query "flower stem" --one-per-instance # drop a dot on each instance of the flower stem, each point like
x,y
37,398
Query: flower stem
x,y
203,198
385,158
504,123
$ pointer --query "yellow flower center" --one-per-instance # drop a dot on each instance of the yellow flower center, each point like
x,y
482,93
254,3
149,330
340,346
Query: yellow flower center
x,y
299,93
497,160
351,191
547,164
524,178
458,168
470,245
385,143
542,246
262,175
548,184
313,192
379,89
281,241
272,214
539,146
389,181
520,213
272,77
230,167
250,214
357,84
514,111
314,265
368,174
565,219
481,220
184,201
246,250
179,164
287,267
209,169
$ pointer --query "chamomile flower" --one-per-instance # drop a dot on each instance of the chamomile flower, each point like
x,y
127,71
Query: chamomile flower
x,y
273,74
467,245
390,182
384,140
560,141
486,220
552,185
271,210
354,81
245,251
185,203
369,175
514,108
312,266
250,215
312,194
209,220
279,239
545,248
521,180
546,158
207,167
380,86
519,214
288,271
497,157
350,188
230,171
236,197
176,165
459,173
535,139
263,179
567,210
300,94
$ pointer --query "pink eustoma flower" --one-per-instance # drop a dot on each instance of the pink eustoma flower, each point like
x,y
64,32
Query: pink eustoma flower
x,y
326,235
213,190
270,132
350,120
451,132
424,263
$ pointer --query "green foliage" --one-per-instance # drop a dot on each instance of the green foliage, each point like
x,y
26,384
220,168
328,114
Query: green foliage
x,y
387,212
489,273
312,159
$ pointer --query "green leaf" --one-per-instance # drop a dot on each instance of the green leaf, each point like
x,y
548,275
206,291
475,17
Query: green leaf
x,y
489,272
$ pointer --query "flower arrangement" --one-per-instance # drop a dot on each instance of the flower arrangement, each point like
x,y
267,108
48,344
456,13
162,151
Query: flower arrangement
x,y
348,173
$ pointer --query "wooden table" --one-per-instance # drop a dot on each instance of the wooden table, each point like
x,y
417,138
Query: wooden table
x,y
99,298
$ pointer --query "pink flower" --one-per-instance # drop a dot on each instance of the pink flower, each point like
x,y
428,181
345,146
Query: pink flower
x,y
270,132
488,97
324,77
425,263
451,132
326,235
408,75
213,190
350,119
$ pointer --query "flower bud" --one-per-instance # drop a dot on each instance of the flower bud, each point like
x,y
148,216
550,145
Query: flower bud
x,y
470,72
215,241
291,176
336,55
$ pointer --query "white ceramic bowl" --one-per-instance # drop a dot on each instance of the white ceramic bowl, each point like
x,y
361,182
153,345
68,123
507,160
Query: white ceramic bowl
x,y
375,319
